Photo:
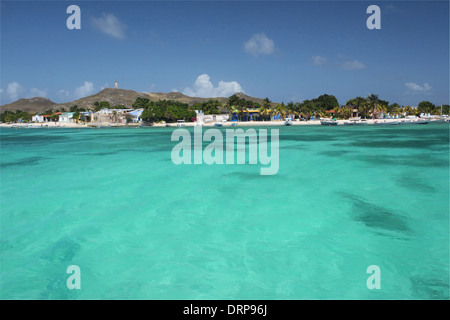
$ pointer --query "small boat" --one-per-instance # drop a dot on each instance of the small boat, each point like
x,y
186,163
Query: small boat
x,y
181,123
355,122
415,121
167,125
387,123
218,124
234,124
328,122
419,122
288,122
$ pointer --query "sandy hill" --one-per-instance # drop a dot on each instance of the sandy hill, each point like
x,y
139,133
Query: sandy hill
x,y
114,96
30,105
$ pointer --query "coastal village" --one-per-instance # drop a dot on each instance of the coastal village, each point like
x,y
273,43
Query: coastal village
x,y
237,109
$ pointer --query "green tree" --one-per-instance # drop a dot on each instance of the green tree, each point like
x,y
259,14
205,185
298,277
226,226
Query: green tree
x,y
373,99
76,116
327,102
141,103
425,107
101,105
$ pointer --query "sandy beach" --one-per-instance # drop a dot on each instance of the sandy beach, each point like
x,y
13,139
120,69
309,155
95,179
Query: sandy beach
x,y
187,124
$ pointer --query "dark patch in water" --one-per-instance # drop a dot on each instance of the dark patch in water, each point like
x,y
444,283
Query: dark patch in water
x,y
308,137
23,162
375,216
62,251
104,153
336,153
410,161
249,176
32,138
293,147
414,183
401,144
56,288
430,288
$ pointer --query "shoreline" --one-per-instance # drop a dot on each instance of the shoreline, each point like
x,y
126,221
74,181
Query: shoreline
x,y
186,124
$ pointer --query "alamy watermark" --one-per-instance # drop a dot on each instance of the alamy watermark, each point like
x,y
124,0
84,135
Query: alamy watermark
x,y
214,151
74,280
374,280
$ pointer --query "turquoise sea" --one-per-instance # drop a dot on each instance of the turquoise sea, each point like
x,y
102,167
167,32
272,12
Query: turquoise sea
x,y
111,201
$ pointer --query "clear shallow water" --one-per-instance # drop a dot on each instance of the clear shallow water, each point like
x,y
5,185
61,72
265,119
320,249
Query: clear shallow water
x,y
139,227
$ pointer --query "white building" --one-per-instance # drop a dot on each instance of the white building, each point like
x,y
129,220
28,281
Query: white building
x,y
136,115
208,118
66,117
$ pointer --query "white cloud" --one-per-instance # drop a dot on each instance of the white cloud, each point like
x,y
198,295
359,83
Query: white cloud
x,y
415,88
86,89
109,24
318,60
38,93
204,88
353,65
14,90
63,93
258,44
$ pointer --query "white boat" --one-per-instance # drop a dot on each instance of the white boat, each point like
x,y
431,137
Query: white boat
x,y
386,123
288,122
328,122
414,120
181,123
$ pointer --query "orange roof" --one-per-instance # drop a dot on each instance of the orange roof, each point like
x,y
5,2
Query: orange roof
x,y
330,111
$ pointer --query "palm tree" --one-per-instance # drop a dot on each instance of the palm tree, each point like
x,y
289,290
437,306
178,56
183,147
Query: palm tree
x,y
114,116
409,110
290,108
364,108
373,99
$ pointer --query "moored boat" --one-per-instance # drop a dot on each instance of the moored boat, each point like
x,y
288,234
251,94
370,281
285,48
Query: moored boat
x,y
328,122
387,123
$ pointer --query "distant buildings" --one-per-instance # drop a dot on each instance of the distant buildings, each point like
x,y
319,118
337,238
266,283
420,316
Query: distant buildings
x,y
66,117
208,118
45,117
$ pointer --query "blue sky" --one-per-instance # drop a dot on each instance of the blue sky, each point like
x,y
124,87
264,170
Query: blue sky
x,y
291,50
